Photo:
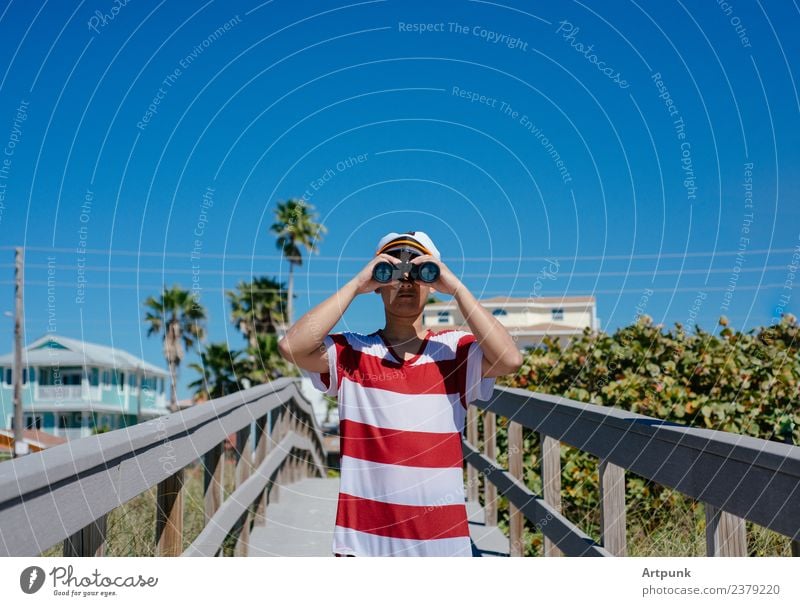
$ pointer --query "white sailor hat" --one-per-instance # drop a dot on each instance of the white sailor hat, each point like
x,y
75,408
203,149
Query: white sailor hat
x,y
418,241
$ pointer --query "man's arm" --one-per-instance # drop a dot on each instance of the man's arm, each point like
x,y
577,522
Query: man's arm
x,y
303,342
500,353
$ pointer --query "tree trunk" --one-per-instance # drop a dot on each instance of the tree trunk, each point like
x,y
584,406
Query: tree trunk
x,y
173,355
173,392
290,295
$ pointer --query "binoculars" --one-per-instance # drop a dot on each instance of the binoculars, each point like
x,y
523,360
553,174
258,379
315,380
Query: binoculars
x,y
384,272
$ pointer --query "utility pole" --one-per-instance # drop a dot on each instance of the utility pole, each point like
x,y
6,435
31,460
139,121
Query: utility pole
x,y
20,446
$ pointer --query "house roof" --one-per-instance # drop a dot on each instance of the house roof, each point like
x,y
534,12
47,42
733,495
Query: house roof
x,y
38,440
90,406
55,350
545,328
587,299
519,301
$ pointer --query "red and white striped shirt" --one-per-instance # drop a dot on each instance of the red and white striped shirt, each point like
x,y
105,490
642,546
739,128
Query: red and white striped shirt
x,y
402,486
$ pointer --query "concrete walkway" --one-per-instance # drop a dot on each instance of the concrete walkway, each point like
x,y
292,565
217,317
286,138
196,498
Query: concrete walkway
x,y
301,523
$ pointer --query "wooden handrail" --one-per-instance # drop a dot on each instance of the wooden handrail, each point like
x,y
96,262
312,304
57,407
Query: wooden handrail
x,y
210,539
55,494
738,477
569,538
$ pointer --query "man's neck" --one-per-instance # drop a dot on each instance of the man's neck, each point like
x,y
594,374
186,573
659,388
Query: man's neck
x,y
402,329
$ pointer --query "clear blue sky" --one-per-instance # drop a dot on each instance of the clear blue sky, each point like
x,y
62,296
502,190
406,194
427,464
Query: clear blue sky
x,y
285,93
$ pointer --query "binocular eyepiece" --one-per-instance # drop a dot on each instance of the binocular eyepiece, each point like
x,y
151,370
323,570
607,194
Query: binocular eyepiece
x,y
384,272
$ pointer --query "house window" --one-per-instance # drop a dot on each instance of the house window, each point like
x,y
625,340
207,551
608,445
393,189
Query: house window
x,y
104,423
33,421
443,317
106,379
132,381
121,384
46,376
557,314
94,377
499,312
71,378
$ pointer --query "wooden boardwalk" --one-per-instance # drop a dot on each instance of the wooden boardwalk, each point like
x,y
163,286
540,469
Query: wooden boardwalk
x,y
283,503
301,524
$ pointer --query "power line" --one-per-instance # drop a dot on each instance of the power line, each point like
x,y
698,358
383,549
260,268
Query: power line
x,y
495,293
584,274
200,256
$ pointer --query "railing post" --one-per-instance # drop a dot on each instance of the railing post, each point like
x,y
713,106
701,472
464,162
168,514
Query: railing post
x,y
213,469
291,467
169,515
89,541
551,483
516,521
725,533
273,487
472,438
612,508
244,462
262,437
280,428
489,489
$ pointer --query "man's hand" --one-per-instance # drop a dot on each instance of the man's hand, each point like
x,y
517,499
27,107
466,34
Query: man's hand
x,y
303,343
500,353
364,281
448,283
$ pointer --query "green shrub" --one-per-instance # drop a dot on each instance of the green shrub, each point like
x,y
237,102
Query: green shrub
x,y
746,383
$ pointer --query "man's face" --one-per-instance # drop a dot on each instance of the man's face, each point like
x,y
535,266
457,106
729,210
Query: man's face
x,y
405,299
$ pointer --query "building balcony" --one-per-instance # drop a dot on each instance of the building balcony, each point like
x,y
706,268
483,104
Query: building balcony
x,y
60,392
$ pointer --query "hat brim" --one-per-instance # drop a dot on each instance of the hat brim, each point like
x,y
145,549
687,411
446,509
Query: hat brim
x,y
403,243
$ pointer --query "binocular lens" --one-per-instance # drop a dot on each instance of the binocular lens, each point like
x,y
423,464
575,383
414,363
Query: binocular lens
x,y
428,272
382,272
385,272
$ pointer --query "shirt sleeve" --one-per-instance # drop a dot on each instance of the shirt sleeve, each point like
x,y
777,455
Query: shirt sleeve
x,y
477,388
327,382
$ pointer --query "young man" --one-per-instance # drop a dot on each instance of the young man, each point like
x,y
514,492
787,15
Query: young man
x,y
403,393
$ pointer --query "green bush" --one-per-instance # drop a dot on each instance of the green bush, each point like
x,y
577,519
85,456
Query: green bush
x,y
746,383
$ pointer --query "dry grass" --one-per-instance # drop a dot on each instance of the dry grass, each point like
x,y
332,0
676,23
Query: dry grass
x,y
131,528
679,532
684,535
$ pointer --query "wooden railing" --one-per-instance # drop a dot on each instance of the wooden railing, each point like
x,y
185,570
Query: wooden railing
x,y
65,493
737,477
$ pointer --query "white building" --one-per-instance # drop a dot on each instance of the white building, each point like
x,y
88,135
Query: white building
x,y
527,320
71,388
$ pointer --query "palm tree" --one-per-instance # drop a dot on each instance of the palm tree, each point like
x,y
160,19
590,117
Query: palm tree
x,y
264,363
296,226
218,370
180,319
258,307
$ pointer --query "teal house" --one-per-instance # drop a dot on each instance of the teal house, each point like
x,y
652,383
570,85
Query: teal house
x,y
73,389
